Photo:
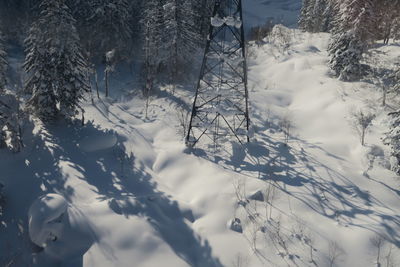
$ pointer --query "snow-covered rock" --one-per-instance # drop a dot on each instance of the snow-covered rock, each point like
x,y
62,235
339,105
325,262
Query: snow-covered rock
x,y
257,196
47,218
236,225
58,227
97,143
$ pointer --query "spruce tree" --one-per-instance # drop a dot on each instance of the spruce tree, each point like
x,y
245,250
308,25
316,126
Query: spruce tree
x,y
180,38
306,16
354,32
3,64
9,109
10,132
57,72
393,140
110,27
346,52
152,26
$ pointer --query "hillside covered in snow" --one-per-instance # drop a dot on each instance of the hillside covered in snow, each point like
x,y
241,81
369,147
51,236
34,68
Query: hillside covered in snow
x,y
124,190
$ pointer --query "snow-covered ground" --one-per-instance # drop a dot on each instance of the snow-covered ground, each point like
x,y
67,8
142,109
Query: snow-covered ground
x,y
136,196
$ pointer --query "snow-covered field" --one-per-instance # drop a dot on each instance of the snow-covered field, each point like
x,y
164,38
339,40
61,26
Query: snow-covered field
x,y
136,196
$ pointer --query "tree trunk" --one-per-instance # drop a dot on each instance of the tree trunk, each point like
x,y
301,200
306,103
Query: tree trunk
x,y
96,83
106,81
363,137
384,96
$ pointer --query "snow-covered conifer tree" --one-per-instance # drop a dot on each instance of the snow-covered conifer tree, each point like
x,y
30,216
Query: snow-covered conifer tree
x,y
110,27
3,64
393,139
356,30
9,109
57,72
180,38
10,133
388,19
346,52
306,16
316,15
152,26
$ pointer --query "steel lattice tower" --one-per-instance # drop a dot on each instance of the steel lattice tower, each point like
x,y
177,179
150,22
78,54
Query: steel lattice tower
x,y
220,109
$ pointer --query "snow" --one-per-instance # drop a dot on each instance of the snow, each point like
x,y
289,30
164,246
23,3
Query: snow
x,y
58,227
229,21
133,194
45,218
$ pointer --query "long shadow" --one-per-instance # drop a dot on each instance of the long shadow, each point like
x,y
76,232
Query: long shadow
x,y
26,175
321,188
119,179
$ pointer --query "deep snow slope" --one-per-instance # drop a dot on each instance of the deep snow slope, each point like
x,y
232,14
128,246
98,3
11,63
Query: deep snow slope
x,y
138,197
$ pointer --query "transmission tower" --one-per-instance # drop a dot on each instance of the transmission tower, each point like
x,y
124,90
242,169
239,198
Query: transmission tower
x,y
220,109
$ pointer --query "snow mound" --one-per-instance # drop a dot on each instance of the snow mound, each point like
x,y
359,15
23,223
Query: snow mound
x,y
97,143
45,217
59,228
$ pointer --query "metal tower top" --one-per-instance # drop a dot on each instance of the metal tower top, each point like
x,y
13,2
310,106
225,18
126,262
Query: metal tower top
x,y
220,109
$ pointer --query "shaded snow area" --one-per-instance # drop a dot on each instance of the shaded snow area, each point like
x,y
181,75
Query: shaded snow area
x,y
124,191
258,12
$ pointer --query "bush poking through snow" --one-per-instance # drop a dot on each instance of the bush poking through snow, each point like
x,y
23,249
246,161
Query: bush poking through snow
x,y
377,241
258,33
286,125
281,36
362,121
335,254
183,117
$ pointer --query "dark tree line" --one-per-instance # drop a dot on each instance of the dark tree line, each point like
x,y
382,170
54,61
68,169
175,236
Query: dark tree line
x,y
64,40
355,25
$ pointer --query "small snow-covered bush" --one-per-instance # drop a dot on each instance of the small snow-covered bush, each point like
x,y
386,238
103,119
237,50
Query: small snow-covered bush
x,y
362,121
281,36
258,33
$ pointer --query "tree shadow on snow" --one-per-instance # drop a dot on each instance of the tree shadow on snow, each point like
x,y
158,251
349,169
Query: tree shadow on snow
x,y
26,175
305,178
121,180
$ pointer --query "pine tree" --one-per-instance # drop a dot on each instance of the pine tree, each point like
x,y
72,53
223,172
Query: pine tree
x,y
331,17
9,109
320,21
10,132
110,27
388,17
180,38
393,140
82,10
352,35
152,26
306,16
360,17
57,70
3,64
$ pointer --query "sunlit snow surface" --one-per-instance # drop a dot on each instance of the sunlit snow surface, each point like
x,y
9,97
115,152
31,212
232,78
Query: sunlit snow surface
x,y
136,196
